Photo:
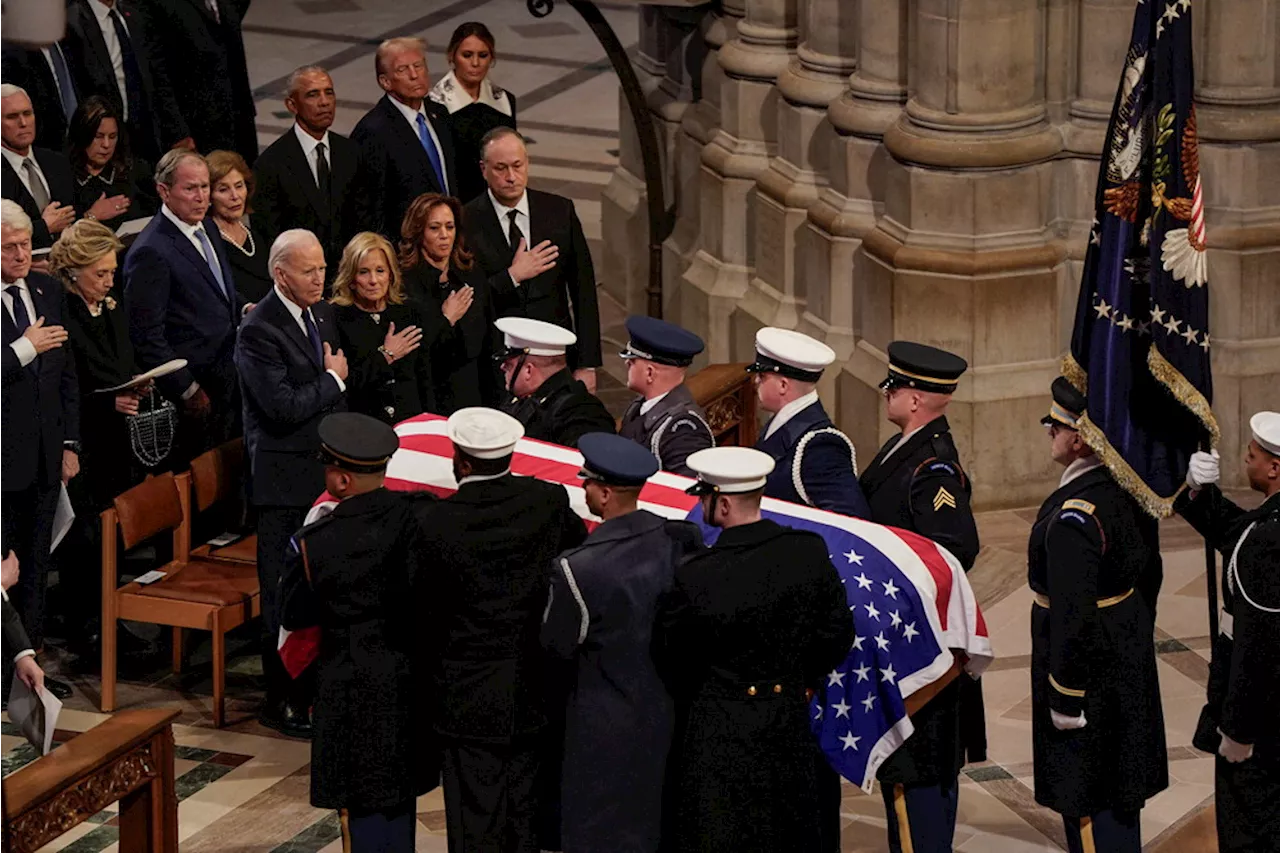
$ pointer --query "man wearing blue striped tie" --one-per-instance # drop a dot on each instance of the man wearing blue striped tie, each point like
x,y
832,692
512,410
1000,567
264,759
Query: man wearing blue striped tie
x,y
405,139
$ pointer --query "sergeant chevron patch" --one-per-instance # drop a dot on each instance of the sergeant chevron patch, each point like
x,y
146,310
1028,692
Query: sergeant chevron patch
x,y
943,498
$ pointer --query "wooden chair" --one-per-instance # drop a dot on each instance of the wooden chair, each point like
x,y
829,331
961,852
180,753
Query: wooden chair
x,y
194,593
728,394
217,477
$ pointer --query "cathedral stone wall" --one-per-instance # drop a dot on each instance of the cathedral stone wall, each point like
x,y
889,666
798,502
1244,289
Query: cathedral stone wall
x,y
865,170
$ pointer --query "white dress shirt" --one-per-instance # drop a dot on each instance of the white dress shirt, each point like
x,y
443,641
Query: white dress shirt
x,y
16,160
522,216
648,405
411,116
102,11
1079,468
310,145
789,411
191,232
22,347
296,311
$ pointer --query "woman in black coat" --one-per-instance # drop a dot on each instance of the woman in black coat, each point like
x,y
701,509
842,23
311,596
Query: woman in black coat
x,y
381,333
111,186
442,280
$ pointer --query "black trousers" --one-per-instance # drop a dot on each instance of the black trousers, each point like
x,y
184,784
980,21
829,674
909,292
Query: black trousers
x,y
385,831
276,525
27,522
1246,795
489,801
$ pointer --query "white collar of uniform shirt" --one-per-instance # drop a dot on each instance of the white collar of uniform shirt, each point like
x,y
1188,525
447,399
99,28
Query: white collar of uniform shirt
x,y
790,410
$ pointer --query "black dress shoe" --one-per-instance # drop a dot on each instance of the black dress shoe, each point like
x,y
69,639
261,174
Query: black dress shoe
x,y
60,689
286,719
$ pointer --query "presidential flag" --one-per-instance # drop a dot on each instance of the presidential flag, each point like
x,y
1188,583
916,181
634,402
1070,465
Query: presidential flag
x,y
1140,347
912,606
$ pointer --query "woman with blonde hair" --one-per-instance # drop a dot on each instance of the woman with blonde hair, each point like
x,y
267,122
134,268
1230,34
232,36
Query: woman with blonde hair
x,y
381,333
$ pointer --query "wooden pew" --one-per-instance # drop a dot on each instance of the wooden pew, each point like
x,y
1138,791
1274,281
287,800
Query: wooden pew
x,y
728,395
128,758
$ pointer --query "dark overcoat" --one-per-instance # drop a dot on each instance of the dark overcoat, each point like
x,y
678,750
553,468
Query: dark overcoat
x,y
561,411
354,573
1092,652
673,429
604,601
826,473
750,625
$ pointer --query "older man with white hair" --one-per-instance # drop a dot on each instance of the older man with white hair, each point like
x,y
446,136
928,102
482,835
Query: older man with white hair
x,y
38,179
292,374
41,416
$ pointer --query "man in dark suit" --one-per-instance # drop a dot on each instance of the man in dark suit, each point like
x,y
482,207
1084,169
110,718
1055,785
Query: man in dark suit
x,y
293,375
113,54
405,138
183,303
38,179
41,417
202,51
18,653
492,543
47,76
311,177
554,281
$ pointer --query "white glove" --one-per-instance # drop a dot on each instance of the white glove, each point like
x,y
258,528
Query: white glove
x,y
1063,723
1203,470
1233,751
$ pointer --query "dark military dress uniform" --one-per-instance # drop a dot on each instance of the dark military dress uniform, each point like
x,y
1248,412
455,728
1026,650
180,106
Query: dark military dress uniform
x,y
919,485
675,426
561,411
751,624
353,573
619,717
1244,675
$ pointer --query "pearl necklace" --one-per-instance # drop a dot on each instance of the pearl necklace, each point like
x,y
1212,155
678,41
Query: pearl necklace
x,y
248,239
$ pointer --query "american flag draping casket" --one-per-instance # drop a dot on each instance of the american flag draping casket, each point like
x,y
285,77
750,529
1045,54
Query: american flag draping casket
x,y
912,605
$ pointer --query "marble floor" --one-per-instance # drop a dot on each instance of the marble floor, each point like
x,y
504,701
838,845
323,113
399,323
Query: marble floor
x,y
244,788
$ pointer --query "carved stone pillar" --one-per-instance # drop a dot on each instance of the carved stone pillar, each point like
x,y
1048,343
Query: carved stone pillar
x,y
732,160
1237,48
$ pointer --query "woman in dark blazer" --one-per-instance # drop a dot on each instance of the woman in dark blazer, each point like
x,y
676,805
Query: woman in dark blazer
x,y
442,279
230,193
103,168
381,333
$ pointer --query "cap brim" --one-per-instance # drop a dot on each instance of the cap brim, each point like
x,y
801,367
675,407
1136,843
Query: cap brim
x,y
701,488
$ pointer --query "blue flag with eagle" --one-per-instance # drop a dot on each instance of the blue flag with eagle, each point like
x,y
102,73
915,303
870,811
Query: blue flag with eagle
x,y
1140,348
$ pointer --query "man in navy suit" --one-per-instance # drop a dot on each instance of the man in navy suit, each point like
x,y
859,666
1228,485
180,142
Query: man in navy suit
x,y
293,374
405,138
41,428
38,179
183,303
815,462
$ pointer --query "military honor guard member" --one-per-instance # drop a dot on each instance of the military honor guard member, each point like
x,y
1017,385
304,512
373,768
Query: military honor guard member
x,y
542,393
1239,722
600,616
664,418
751,624
354,573
814,463
1096,720
916,483
491,545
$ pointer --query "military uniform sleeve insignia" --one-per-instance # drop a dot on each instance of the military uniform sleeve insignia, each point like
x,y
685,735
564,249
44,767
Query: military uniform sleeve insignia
x,y
943,498
1084,506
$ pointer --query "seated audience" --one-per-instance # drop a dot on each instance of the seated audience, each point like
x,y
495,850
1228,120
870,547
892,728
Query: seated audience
x,y
380,332
441,278
475,105
103,166
230,191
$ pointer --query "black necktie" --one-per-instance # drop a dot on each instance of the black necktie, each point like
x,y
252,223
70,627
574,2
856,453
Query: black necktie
x,y
313,335
132,71
21,319
322,171
514,234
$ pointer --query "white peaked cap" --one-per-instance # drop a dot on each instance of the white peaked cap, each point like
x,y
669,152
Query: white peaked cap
x,y
534,336
1266,431
484,433
731,470
794,349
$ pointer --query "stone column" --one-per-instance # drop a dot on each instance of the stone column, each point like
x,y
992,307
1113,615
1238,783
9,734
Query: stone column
x,y
732,160
963,256
1237,59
